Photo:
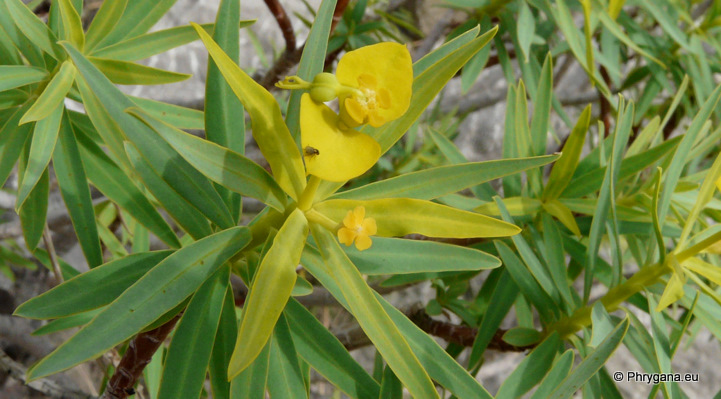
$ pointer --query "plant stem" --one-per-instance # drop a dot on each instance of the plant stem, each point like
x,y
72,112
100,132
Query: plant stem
x,y
306,198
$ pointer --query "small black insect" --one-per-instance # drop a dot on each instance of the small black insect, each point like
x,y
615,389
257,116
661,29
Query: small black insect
x,y
310,151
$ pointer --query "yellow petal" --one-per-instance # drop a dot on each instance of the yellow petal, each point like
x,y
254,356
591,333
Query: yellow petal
x,y
370,227
363,242
391,66
341,155
360,213
349,220
346,236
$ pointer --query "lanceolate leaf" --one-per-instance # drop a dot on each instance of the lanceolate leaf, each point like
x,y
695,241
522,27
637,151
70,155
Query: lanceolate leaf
x,y
185,370
130,73
373,319
107,177
104,22
223,166
225,116
183,178
563,169
322,350
33,28
12,139
53,95
401,216
12,76
73,183
269,129
157,292
275,274
45,135
436,182
136,19
72,25
92,289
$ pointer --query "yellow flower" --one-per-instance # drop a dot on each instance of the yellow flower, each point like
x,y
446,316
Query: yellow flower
x,y
331,153
357,227
383,75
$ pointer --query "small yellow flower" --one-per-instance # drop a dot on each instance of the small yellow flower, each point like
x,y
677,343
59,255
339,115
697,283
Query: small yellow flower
x,y
383,75
357,227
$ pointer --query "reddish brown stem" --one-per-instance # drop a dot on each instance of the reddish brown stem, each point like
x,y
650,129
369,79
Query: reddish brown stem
x,y
139,353
283,22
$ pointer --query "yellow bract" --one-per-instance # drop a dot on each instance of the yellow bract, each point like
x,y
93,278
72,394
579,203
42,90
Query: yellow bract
x,y
331,153
357,227
383,73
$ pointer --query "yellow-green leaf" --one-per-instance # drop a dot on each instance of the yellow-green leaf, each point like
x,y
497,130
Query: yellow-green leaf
x,y
269,129
563,169
372,317
674,288
53,95
130,73
517,206
401,216
269,292
72,25
104,21
563,214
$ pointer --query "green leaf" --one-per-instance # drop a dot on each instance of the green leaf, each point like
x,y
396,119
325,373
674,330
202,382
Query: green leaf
x,y
275,274
559,371
607,193
53,95
176,115
92,289
656,9
33,28
12,140
45,135
505,292
103,23
184,371
250,384
435,182
72,25
64,323
12,76
107,177
188,218
399,256
373,319
556,260
531,370
130,73
542,108
285,379
311,61
615,29
455,156
522,336
157,292
601,323
590,182
440,365
223,166
526,282
150,44
391,387
222,348
564,168
109,108
678,161
73,183
401,216
538,271
591,363
34,211
517,206
269,129
136,19
222,107
325,354
526,30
